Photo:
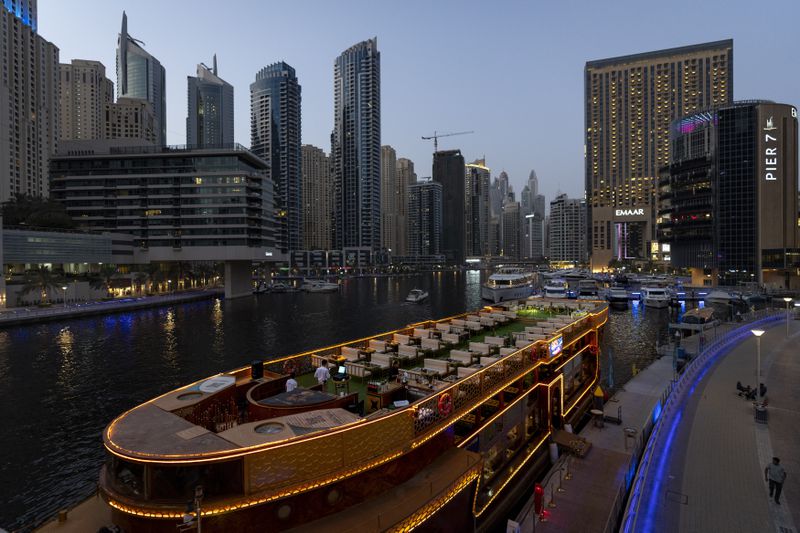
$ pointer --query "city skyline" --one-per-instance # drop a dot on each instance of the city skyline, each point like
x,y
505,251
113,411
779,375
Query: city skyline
x,y
538,126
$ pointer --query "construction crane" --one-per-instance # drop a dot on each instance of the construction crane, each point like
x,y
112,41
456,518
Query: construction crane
x,y
436,136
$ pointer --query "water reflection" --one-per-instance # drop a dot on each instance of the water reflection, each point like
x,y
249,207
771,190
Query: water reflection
x,y
113,363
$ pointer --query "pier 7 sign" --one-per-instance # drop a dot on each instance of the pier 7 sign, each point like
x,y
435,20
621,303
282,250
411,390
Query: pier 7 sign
x,y
770,150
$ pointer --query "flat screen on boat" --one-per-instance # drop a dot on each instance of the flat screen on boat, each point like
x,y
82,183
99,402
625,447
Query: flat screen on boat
x,y
556,345
342,370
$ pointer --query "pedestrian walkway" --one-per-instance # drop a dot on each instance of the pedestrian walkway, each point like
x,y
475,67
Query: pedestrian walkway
x,y
26,315
707,472
592,499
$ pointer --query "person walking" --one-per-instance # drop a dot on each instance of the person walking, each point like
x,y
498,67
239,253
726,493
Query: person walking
x,y
775,475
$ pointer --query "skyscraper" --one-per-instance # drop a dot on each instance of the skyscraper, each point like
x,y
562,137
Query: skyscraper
x,y
141,76
356,146
477,182
729,200
130,118
532,211
390,205
567,229
29,121
317,198
630,102
405,178
405,171
425,218
209,121
83,94
275,136
449,170
511,230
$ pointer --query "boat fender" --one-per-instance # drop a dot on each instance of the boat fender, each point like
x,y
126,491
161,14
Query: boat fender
x,y
289,367
445,404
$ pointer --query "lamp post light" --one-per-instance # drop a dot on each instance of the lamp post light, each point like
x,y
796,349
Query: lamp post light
x,y
64,288
787,300
758,333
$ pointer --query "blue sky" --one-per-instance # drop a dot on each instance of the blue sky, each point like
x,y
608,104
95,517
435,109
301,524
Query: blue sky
x,y
512,71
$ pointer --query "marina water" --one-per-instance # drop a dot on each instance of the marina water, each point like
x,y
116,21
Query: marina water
x,y
62,382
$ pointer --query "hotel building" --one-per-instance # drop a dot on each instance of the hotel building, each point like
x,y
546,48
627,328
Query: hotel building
x,y
630,103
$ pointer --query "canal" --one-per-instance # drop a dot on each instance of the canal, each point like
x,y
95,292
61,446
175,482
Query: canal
x,y
62,382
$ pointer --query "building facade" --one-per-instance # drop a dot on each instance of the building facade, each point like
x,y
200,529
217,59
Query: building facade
x,y
405,178
425,218
84,91
275,136
209,121
130,118
449,170
729,198
179,204
317,198
141,76
476,224
29,119
629,104
532,205
511,227
356,147
567,230
390,203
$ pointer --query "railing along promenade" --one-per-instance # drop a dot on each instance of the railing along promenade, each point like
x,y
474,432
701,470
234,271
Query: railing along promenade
x,y
297,464
666,415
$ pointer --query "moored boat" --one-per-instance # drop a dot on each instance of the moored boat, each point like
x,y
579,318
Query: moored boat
x,y
508,284
444,446
316,285
555,288
617,296
655,297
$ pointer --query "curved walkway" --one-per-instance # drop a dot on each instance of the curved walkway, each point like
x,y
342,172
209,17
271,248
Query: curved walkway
x,y
707,470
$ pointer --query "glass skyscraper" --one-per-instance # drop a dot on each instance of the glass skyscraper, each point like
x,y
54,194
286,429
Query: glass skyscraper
x,y
275,130
356,147
141,76
210,118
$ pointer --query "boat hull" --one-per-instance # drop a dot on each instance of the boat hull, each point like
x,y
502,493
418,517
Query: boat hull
x,y
503,294
656,304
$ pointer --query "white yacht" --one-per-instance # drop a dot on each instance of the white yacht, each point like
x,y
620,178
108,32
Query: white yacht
x,y
555,288
617,296
655,297
317,285
508,284
417,296
587,289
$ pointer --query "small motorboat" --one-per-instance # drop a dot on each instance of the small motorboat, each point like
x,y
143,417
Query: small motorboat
x,y
417,296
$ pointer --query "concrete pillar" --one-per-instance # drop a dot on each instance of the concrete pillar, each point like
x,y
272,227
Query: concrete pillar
x,y
2,269
238,279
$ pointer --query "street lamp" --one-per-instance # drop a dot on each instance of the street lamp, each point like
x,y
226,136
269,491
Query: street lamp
x,y
64,288
758,333
787,300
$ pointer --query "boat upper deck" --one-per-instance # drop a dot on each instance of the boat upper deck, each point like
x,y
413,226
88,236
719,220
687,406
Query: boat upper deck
x,y
409,383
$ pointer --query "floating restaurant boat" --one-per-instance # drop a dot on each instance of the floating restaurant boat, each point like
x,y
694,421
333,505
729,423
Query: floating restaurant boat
x,y
448,441
508,284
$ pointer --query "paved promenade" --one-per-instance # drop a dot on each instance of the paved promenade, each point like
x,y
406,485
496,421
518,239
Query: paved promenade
x,y
707,472
27,315
593,497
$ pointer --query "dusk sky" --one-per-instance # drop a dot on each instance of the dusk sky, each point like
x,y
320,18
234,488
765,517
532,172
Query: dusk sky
x,y
511,71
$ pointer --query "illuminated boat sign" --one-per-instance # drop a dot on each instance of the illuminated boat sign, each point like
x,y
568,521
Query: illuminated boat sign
x,y
556,345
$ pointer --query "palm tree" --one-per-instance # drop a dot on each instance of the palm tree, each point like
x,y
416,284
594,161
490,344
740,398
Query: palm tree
x,y
154,274
104,278
40,279
203,272
138,279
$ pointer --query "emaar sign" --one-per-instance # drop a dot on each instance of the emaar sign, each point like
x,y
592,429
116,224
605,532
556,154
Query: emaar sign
x,y
629,212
